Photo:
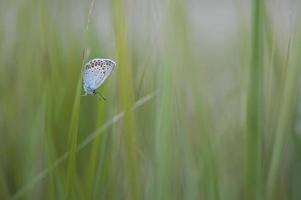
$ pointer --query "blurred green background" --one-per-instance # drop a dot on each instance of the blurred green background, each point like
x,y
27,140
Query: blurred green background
x,y
204,102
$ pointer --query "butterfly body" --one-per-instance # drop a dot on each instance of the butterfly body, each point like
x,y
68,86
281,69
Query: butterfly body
x,y
95,72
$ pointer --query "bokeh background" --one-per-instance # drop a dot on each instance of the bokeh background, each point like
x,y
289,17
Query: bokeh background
x,y
204,102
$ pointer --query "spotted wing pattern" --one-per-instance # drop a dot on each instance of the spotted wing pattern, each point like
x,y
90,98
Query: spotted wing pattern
x,y
95,72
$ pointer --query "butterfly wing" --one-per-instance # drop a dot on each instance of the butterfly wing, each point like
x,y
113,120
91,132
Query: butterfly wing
x,y
106,66
96,72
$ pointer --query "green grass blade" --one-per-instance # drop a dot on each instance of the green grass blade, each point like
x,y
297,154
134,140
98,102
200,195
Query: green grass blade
x,y
73,135
255,109
285,118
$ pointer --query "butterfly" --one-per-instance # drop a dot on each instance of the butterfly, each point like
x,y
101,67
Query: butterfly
x,y
95,72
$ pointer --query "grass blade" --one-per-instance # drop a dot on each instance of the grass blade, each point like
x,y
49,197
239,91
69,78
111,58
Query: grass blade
x,y
254,121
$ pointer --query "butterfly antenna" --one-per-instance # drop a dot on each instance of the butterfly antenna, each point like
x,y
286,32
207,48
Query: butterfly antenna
x,y
100,96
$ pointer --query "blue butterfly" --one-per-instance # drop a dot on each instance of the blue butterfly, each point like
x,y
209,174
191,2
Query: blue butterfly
x,y
95,72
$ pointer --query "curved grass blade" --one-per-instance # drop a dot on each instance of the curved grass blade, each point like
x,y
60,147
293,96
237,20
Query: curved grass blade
x,y
81,146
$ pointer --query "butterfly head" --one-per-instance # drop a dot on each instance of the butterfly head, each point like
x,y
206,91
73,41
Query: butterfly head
x,y
89,91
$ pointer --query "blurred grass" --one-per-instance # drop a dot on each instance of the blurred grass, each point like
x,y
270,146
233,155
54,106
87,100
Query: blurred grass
x,y
181,120
255,107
